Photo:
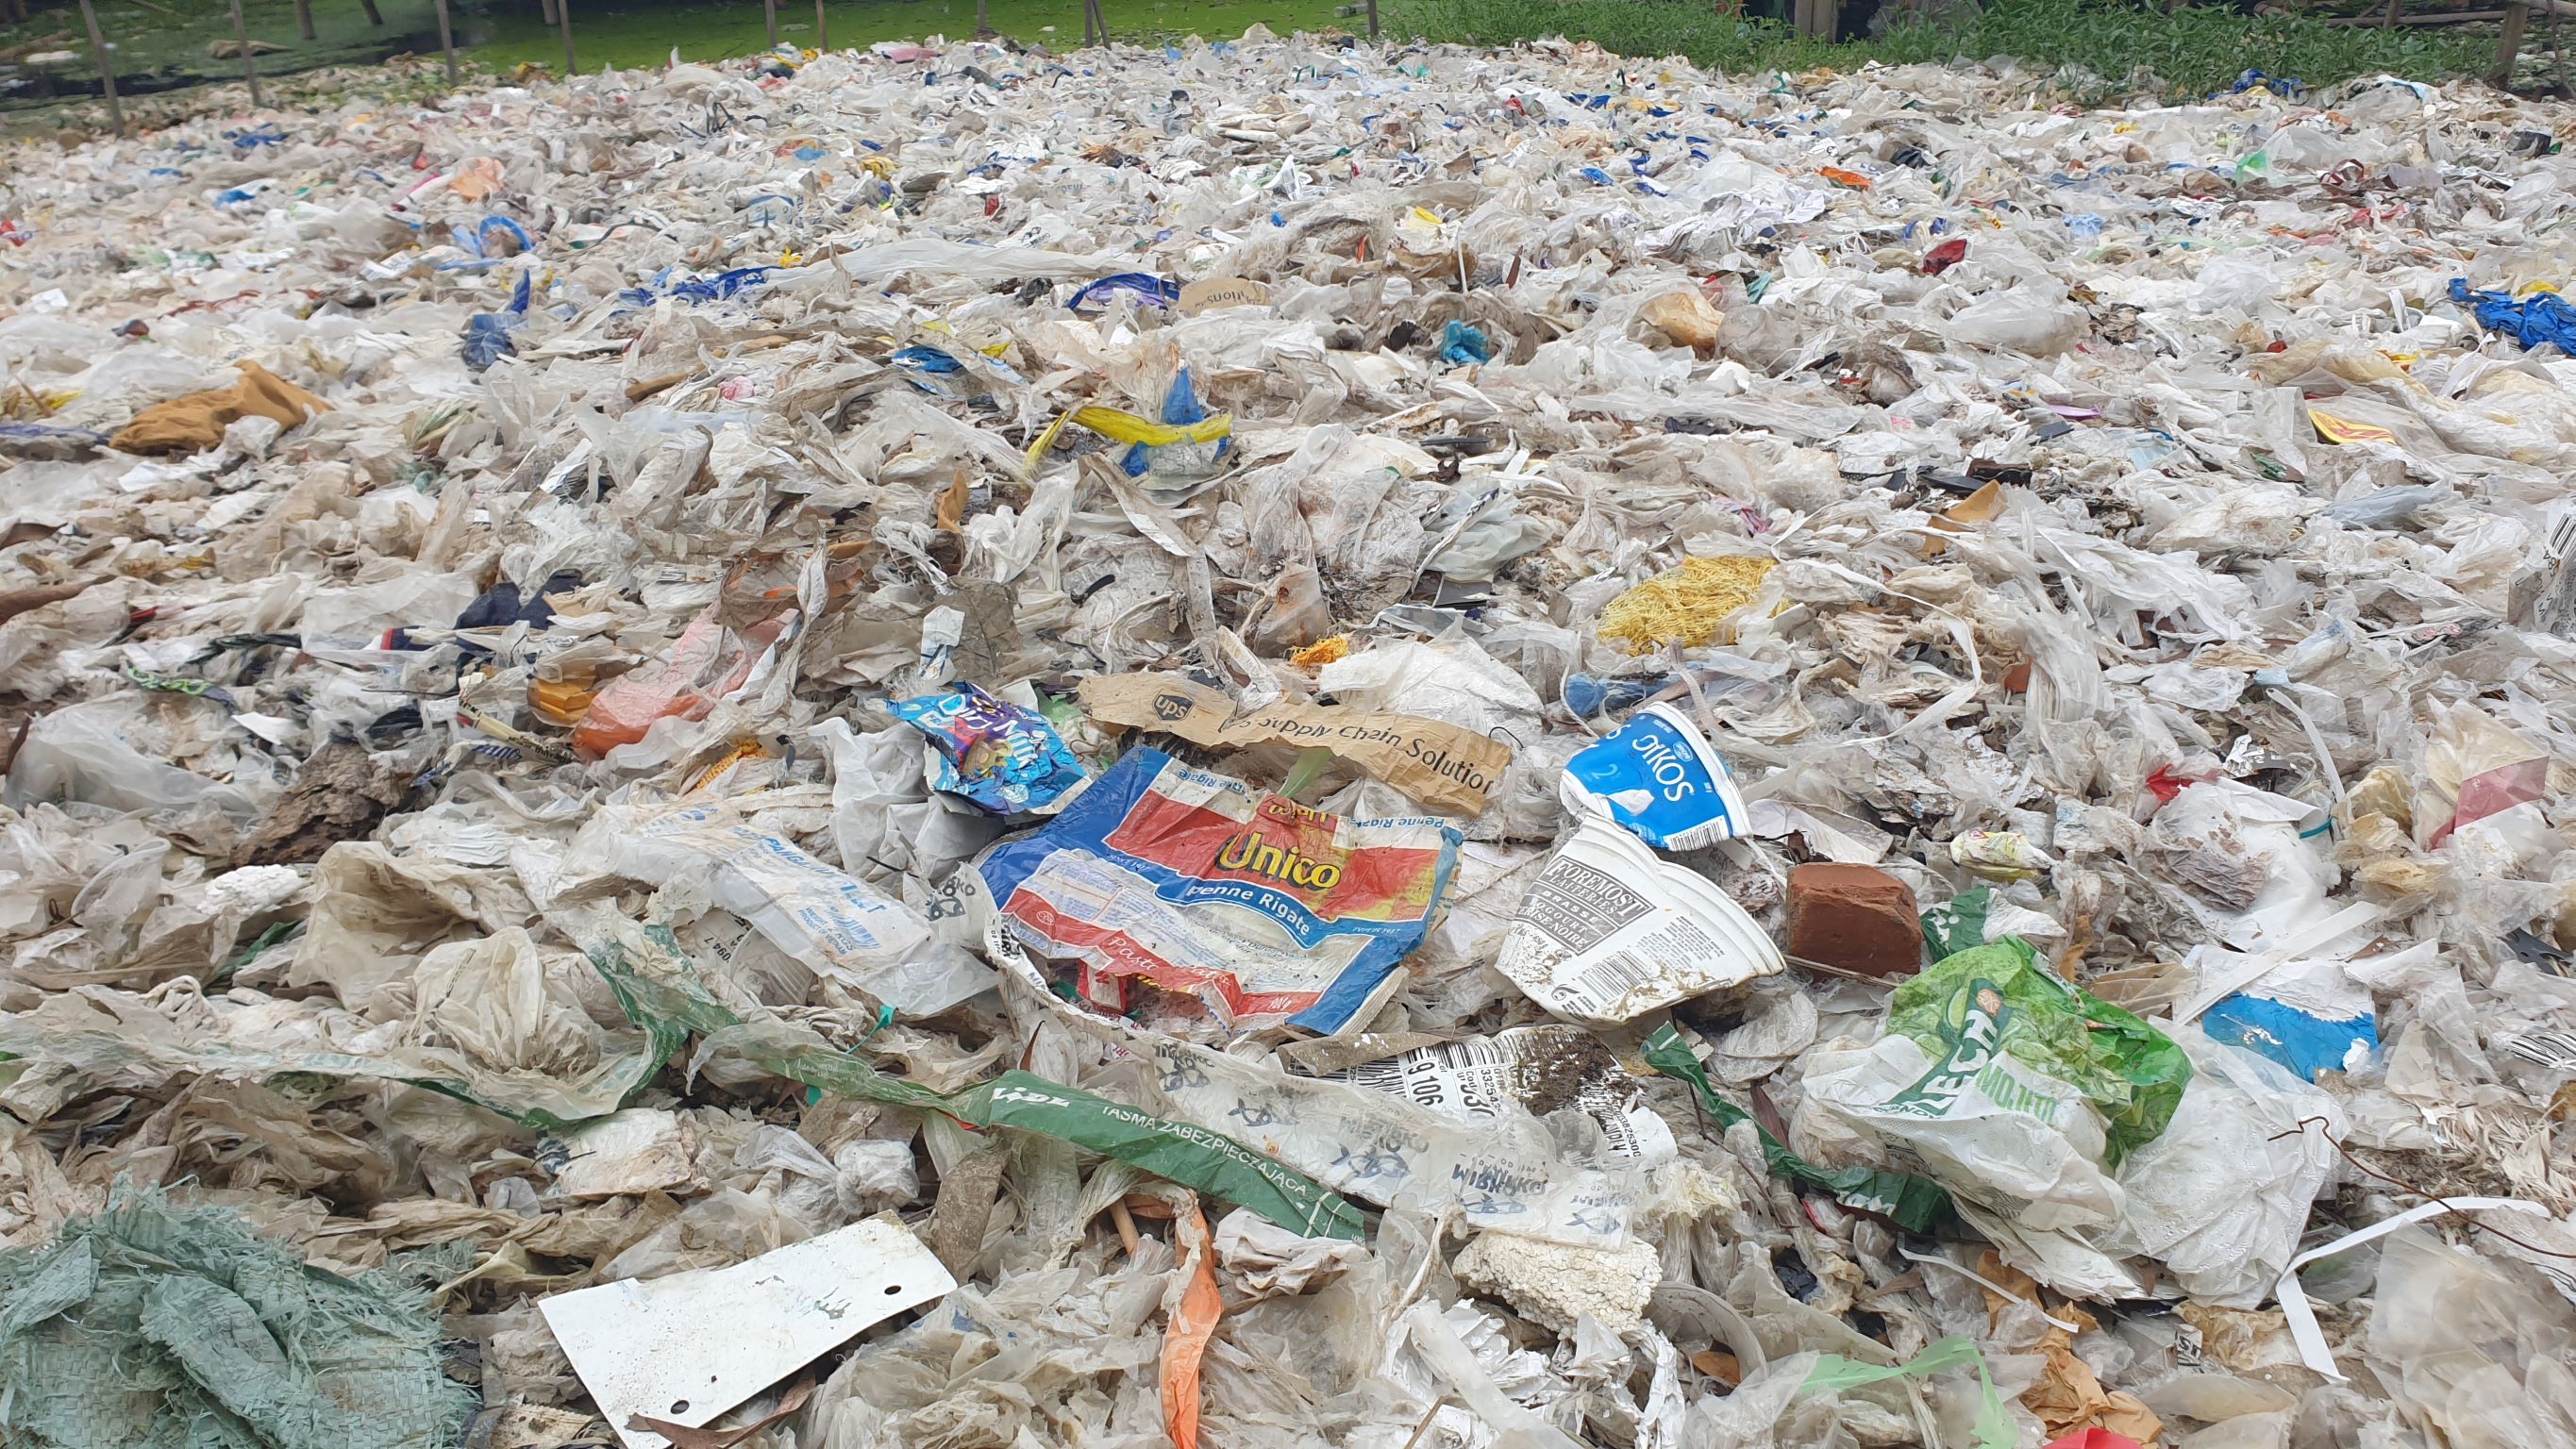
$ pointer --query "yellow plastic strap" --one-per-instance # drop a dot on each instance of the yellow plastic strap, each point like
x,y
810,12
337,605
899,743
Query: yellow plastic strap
x,y
1046,440
1126,427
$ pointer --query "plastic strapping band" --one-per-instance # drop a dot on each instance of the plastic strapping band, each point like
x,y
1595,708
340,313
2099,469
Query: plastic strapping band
x,y
2351,918
2294,1299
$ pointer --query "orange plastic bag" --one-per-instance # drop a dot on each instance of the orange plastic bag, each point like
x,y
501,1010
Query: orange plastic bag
x,y
1192,1323
708,662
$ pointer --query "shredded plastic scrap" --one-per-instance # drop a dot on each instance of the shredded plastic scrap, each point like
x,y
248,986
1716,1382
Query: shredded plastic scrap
x,y
1410,747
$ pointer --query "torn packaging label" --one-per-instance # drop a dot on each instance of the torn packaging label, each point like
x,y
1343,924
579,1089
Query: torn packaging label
x,y
1174,1150
1610,932
1433,762
681,1350
1003,758
1199,883
1541,1068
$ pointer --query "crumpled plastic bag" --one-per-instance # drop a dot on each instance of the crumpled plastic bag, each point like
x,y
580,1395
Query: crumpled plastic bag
x,y
1267,1261
2024,318
80,753
2473,768
2221,1196
2017,1090
821,916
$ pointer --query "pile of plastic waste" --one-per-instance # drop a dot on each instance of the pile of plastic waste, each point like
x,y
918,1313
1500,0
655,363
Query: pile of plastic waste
x,y
1276,743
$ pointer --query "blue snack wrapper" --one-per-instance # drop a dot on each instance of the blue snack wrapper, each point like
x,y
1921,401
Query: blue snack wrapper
x,y
1000,757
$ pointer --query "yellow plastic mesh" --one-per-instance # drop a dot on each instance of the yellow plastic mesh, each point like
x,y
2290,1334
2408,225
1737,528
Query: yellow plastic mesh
x,y
1322,652
1689,604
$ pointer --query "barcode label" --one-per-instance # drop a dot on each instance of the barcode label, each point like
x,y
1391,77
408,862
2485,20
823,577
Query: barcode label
x,y
1387,1075
1473,1052
1607,980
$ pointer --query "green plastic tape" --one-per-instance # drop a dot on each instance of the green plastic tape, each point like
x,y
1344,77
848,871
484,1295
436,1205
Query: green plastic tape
x,y
1194,1157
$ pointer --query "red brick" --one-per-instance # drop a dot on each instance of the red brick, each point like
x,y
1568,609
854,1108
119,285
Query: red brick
x,y
1854,917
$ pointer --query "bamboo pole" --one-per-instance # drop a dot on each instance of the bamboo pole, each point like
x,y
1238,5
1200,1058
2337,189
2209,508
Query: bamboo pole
x,y
822,28
375,16
769,12
304,18
1372,7
250,67
563,11
106,63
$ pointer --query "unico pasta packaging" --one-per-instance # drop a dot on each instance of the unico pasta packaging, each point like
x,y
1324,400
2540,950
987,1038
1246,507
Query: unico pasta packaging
x,y
1260,906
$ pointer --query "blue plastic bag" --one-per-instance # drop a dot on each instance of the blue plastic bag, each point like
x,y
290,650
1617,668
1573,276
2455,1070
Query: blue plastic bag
x,y
1145,286
1180,407
487,334
2538,318
717,288
1461,344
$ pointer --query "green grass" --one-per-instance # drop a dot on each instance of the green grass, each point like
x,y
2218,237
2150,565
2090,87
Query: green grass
x,y
163,43
2111,49
627,33
2188,53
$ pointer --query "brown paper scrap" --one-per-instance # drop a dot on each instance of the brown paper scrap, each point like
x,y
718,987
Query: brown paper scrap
x,y
1434,763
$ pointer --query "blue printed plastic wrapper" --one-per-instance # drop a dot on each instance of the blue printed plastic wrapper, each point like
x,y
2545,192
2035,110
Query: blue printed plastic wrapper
x,y
1003,758
1260,906
1658,777
2305,1015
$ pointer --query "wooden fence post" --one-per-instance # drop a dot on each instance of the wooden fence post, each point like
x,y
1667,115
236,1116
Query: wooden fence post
x,y
769,12
304,18
2509,44
447,41
822,28
563,11
250,67
375,16
106,68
